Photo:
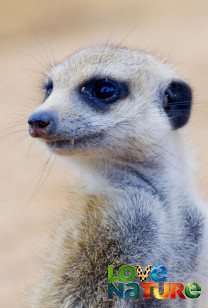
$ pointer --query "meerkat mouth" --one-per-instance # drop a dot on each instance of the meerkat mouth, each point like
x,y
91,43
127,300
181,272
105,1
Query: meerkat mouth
x,y
61,143
73,143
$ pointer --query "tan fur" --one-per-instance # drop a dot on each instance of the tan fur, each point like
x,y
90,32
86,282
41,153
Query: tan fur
x,y
136,202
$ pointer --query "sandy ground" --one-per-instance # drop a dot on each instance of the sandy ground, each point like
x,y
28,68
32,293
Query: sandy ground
x,y
32,34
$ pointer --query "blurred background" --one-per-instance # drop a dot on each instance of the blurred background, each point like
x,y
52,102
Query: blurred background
x,y
37,33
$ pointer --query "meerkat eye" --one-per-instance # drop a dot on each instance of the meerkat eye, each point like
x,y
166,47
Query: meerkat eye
x,y
100,93
104,90
49,89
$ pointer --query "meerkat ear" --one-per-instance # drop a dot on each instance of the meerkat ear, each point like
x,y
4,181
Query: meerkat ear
x,y
177,102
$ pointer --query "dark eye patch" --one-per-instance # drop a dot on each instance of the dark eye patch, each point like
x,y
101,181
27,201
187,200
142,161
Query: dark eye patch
x,y
48,88
100,93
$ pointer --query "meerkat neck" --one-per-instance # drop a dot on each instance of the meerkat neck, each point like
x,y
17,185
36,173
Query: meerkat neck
x,y
101,176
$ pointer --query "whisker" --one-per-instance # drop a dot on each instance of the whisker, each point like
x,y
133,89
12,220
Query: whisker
x,y
42,179
29,149
52,52
11,126
120,43
45,66
12,133
37,174
44,51
17,141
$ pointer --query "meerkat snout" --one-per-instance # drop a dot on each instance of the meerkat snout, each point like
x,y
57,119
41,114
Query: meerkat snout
x,y
42,124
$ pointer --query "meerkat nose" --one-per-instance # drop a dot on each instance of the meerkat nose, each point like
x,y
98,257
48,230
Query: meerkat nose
x,y
41,124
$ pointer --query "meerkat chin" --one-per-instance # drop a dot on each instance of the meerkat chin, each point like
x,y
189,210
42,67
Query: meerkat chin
x,y
120,113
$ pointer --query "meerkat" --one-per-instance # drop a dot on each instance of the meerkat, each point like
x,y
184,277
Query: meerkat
x,y
116,115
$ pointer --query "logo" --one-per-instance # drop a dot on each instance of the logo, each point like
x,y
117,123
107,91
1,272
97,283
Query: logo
x,y
131,290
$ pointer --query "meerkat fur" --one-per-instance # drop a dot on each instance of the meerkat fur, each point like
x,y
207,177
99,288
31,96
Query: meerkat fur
x,y
136,201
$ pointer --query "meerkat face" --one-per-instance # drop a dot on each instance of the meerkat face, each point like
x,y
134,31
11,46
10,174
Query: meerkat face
x,y
110,101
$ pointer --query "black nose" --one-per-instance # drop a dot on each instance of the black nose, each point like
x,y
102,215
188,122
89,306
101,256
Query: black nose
x,y
41,124
40,121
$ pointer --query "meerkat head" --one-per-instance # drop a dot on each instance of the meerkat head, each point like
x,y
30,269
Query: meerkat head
x,y
112,102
